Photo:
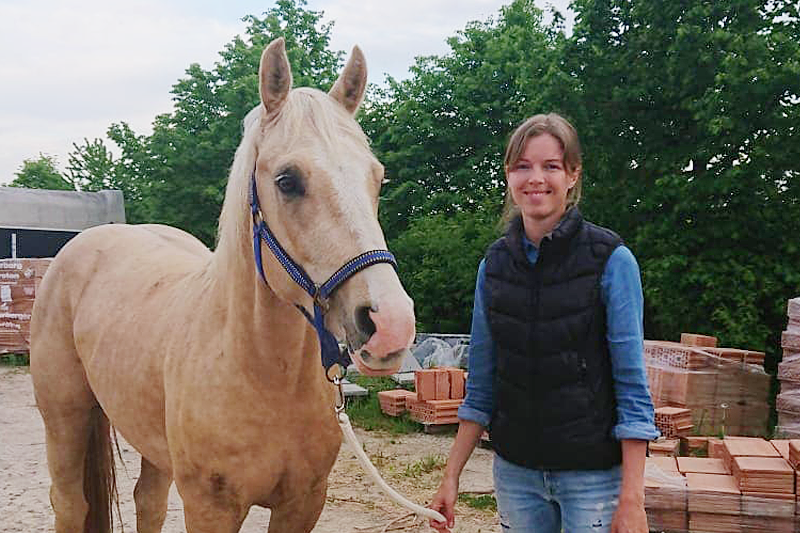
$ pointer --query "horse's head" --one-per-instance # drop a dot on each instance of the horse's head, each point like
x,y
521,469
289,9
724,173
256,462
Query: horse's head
x,y
318,185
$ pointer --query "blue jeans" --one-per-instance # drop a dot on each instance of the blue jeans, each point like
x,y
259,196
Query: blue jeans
x,y
549,501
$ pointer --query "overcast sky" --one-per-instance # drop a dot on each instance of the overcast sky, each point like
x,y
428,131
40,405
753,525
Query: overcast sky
x,y
71,68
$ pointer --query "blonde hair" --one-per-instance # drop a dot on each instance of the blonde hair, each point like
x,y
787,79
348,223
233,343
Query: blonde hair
x,y
564,132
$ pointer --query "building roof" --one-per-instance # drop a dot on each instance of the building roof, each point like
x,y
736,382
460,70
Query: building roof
x,y
59,210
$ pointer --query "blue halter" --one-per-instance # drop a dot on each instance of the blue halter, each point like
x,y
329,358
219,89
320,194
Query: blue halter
x,y
331,354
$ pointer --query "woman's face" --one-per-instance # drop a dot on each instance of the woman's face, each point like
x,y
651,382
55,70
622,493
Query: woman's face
x,y
539,181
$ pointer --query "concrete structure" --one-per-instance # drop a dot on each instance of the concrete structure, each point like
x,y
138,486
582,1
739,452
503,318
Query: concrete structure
x,y
37,223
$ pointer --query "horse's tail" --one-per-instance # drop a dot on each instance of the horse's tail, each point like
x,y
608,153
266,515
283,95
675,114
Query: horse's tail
x,y
99,476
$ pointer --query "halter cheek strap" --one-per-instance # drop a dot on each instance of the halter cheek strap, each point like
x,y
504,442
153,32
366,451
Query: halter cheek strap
x,y
331,354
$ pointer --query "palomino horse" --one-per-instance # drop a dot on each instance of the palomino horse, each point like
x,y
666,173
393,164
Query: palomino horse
x,y
198,360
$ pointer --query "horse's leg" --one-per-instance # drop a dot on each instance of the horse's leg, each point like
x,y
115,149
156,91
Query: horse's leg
x,y
67,440
66,403
299,515
151,494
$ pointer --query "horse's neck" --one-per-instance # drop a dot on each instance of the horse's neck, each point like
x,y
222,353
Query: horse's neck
x,y
262,331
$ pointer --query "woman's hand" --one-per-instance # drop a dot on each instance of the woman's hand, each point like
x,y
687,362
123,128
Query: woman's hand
x,y
630,517
445,502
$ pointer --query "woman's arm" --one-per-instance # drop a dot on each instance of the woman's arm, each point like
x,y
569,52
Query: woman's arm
x,y
621,290
630,516
622,295
469,433
475,412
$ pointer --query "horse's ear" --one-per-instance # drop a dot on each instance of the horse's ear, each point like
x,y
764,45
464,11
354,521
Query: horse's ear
x,y
275,76
349,88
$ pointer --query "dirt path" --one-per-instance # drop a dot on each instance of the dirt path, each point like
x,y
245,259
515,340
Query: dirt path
x,y
354,503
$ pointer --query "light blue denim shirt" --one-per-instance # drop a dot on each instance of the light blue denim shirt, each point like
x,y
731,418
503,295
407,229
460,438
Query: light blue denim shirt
x,y
621,292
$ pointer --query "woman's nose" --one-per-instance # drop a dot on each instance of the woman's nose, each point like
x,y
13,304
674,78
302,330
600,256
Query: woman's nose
x,y
535,175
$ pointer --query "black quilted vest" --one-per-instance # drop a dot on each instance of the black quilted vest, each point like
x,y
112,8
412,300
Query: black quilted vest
x,y
554,404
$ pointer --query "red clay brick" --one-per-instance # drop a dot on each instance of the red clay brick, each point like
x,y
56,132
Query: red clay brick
x,y
442,384
425,384
456,383
695,339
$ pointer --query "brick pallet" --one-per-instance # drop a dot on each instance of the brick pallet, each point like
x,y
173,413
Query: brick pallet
x,y
726,389
694,495
19,281
439,393
787,402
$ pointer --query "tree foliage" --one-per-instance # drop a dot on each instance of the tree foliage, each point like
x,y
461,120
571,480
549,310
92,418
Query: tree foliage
x,y
689,110
41,173
438,256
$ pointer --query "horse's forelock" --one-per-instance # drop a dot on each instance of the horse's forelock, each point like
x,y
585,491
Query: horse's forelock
x,y
310,111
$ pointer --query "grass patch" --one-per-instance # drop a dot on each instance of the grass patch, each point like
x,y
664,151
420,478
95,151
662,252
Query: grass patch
x,y
15,359
426,465
365,412
482,501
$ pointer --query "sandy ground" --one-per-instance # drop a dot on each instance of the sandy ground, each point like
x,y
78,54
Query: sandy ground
x,y
354,502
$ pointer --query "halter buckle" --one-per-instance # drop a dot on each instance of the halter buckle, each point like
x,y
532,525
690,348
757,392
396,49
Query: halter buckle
x,y
258,217
340,401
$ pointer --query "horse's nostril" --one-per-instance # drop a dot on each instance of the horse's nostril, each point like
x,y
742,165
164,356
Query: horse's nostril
x,y
364,322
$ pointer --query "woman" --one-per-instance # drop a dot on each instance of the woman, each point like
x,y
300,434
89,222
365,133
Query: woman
x,y
556,366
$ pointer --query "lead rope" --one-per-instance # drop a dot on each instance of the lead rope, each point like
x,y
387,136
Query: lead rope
x,y
366,464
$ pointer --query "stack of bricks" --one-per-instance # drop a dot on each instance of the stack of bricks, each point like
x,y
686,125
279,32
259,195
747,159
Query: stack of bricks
x,y
794,461
726,389
19,281
750,487
664,447
673,421
665,495
788,401
439,393
393,402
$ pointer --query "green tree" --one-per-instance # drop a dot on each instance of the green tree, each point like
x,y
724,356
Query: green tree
x,y
191,149
41,173
438,257
90,166
688,111
132,171
441,133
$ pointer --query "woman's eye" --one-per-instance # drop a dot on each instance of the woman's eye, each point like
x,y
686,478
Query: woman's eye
x,y
289,184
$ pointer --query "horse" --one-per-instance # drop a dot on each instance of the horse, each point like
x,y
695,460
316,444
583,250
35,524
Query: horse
x,y
202,360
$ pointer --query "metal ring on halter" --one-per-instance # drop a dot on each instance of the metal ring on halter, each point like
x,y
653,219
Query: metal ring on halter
x,y
337,380
322,301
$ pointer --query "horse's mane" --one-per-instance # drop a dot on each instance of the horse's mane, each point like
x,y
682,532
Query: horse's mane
x,y
307,113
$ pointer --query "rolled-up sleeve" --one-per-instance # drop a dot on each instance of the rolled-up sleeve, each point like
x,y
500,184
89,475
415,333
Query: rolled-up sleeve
x,y
621,289
477,404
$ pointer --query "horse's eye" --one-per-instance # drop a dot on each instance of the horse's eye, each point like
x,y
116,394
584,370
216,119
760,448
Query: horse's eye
x,y
289,184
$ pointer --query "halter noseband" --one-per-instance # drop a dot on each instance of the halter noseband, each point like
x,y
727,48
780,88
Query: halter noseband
x,y
331,354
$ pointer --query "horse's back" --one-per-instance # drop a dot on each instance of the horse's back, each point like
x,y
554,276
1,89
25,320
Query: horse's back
x,y
107,271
